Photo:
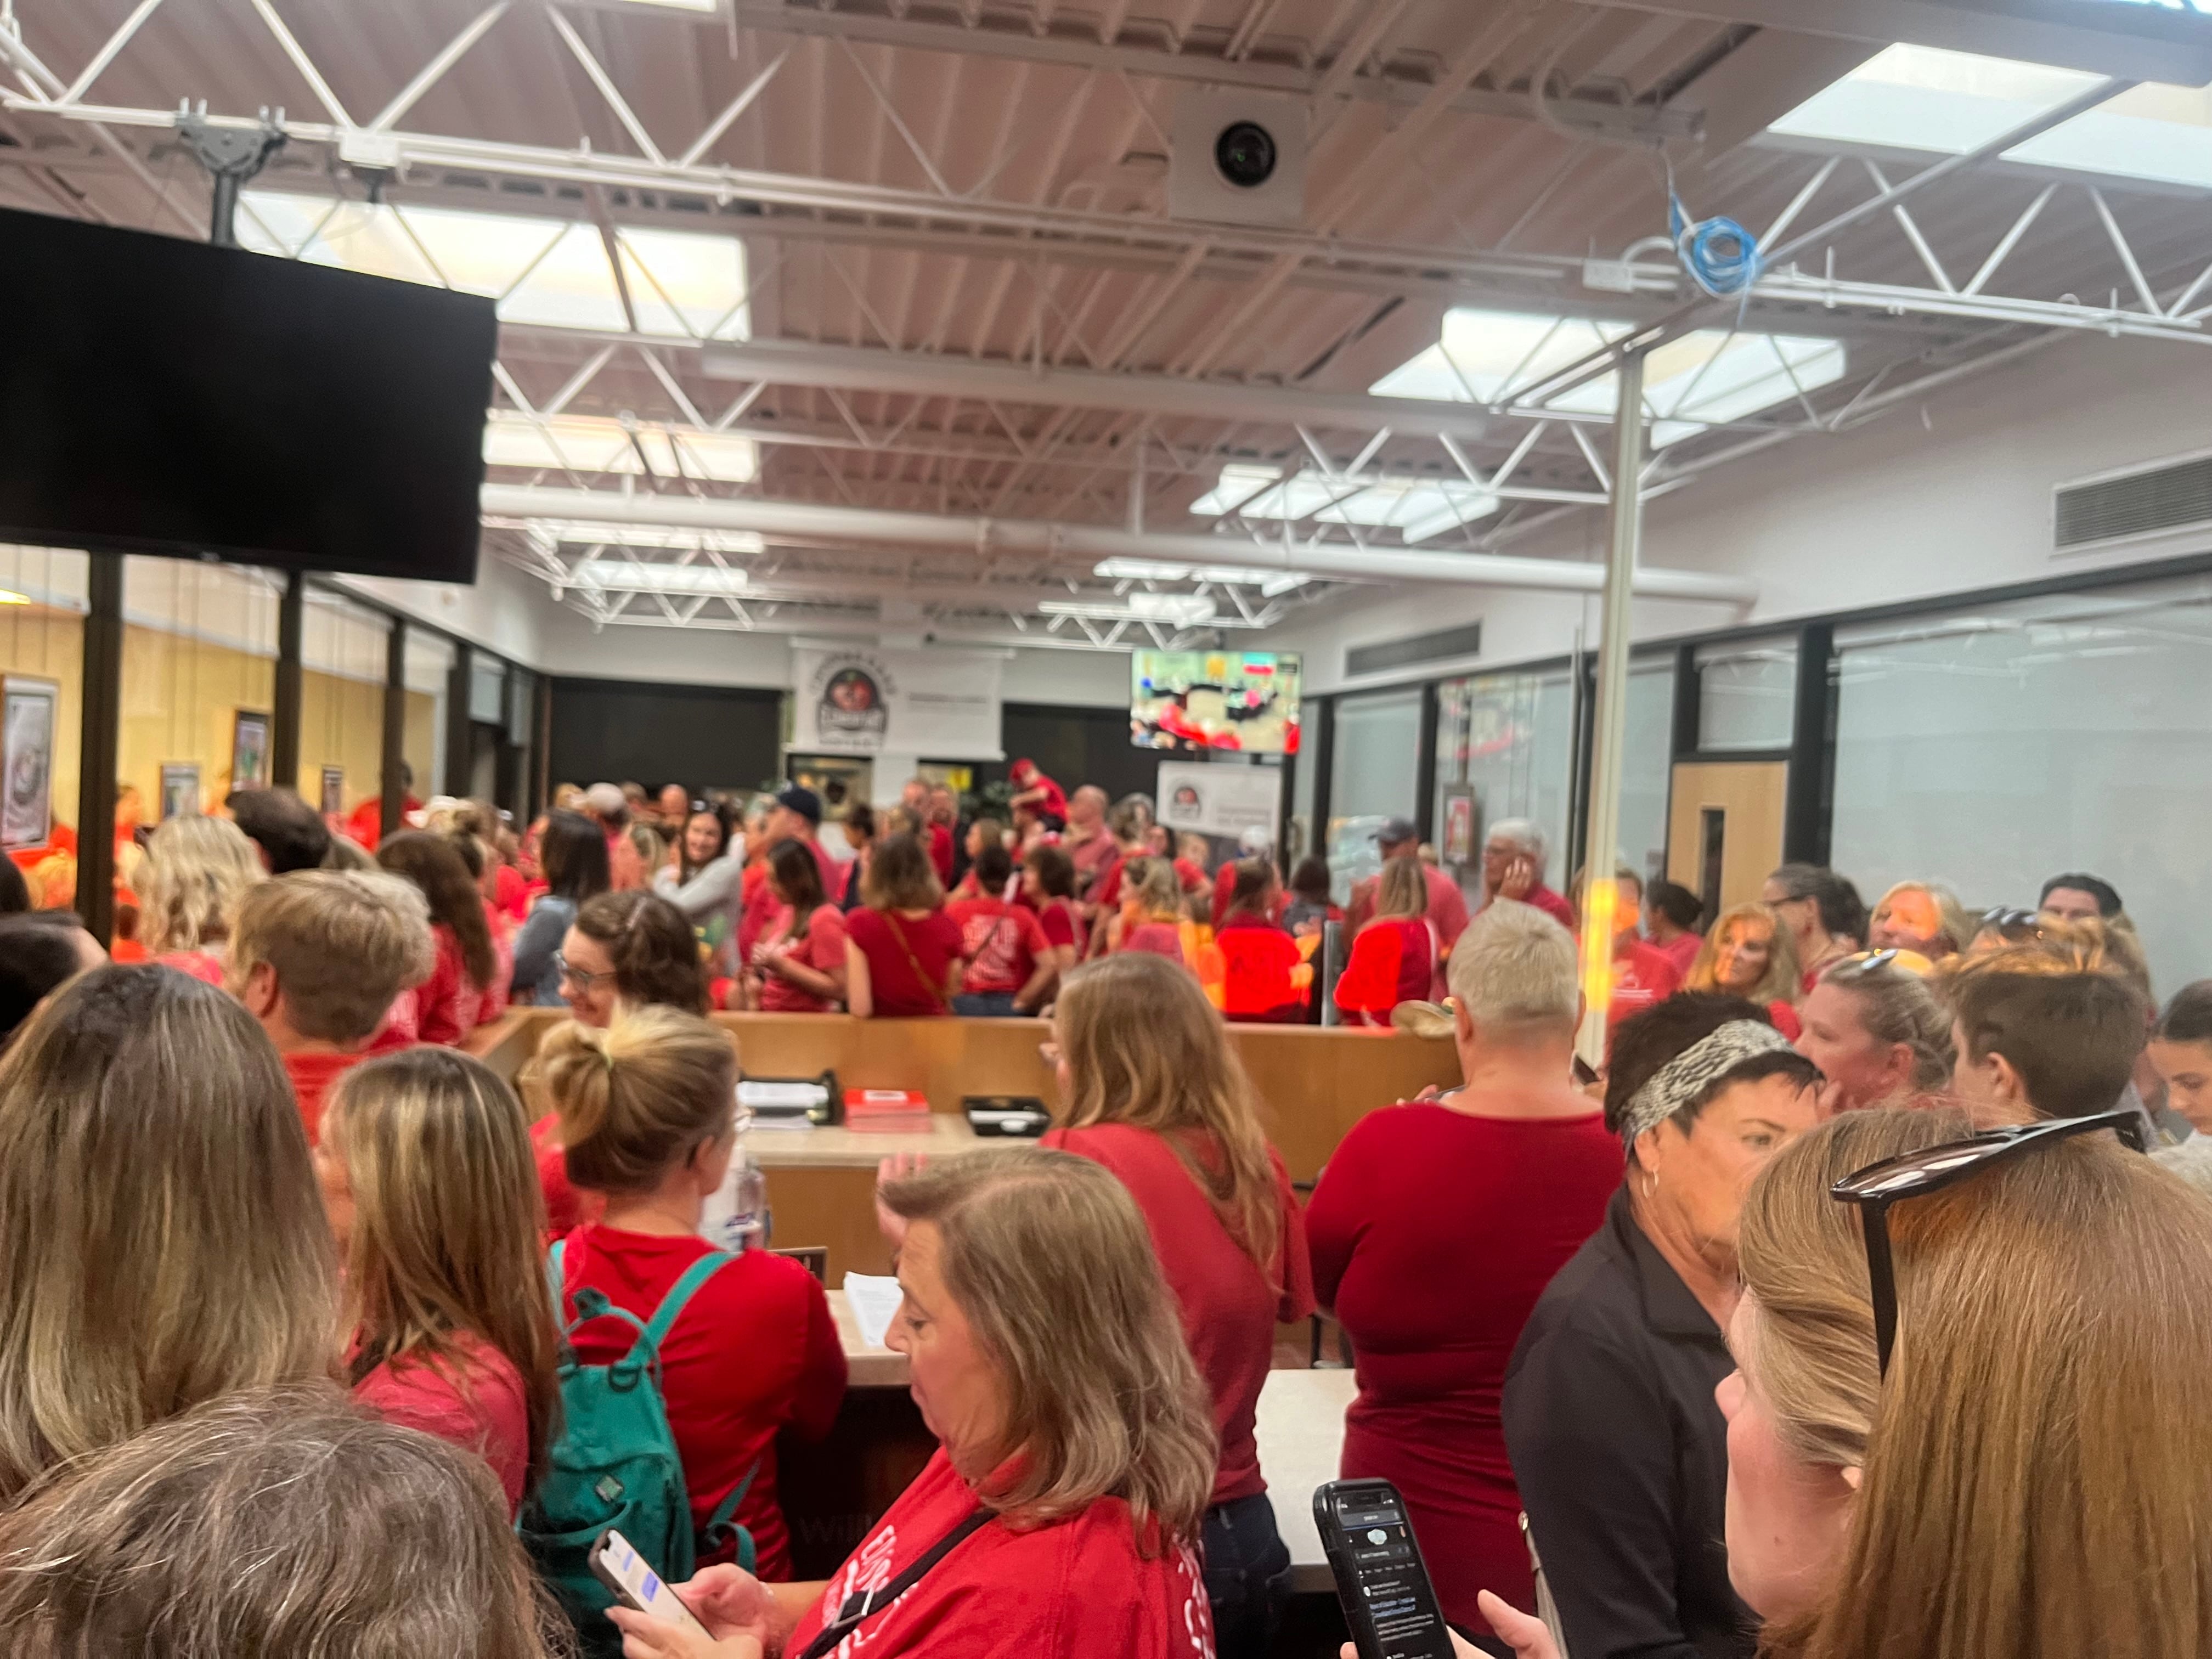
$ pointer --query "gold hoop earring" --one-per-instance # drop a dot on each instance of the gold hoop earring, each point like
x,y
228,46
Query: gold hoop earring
x,y
1650,1183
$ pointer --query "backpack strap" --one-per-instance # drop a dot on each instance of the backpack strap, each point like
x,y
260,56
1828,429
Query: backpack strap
x,y
679,1293
556,1281
725,1512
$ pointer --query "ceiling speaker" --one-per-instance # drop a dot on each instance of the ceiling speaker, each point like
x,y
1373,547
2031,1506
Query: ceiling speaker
x,y
1240,158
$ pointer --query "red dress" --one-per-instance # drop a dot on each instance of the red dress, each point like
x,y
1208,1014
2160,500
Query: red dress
x,y
1230,1306
1433,1232
755,1352
893,946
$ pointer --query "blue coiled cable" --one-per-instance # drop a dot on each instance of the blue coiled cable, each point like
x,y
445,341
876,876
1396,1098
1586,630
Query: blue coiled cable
x,y
1722,257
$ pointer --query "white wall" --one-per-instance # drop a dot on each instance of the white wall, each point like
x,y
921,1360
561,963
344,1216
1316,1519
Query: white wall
x,y
1941,498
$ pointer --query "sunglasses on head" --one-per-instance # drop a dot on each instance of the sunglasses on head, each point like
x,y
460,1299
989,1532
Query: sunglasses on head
x,y
1915,1174
2010,921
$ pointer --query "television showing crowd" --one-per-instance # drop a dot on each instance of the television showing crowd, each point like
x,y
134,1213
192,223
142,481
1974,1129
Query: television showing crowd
x,y
1858,1304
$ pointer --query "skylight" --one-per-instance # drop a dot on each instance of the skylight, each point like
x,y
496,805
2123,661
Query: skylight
x,y
632,575
555,532
1417,508
597,443
551,271
1709,376
1950,102
1269,582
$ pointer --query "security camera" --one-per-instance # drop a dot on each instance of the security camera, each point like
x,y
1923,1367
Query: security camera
x,y
1239,158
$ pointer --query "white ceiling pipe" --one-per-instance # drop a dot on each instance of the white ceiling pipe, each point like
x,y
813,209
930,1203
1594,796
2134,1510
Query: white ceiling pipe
x,y
1092,542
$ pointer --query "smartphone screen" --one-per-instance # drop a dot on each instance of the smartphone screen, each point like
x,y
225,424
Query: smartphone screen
x,y
1389,1601
633,1580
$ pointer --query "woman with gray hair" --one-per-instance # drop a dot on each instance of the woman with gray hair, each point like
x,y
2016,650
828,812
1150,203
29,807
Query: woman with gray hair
x,y
1060,1515
1616,1438
1435,1229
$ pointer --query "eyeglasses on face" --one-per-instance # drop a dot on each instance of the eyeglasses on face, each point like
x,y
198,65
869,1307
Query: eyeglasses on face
x,y
575,979
1915,1174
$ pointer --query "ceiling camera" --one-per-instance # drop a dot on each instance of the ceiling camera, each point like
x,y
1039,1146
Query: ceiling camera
x,y
1245,153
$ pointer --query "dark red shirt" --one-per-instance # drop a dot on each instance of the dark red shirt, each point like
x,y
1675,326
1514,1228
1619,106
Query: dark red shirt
x,y
894,946
1075,1590
1433,1233
754,1351
1001,942
1231,1304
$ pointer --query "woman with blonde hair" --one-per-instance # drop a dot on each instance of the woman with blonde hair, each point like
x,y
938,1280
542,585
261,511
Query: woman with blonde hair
x,y
1749,953
646,1117
1151,916
1923,917
1878,1034
635,855
197,871
1061,1515
158,1216
428,1174
1394,957
1149,1087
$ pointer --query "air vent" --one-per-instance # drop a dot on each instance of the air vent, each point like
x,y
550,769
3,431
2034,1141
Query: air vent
x,y
2120,507
1464,641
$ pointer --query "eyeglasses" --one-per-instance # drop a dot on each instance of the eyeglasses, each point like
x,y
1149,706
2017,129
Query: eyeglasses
x,y
575,978
1915,1174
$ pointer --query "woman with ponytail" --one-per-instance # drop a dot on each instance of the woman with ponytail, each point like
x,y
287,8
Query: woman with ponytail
x,y
646,1108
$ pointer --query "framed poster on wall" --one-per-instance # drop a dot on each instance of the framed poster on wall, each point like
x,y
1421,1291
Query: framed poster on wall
x,y
27,719
1459,827
333,791
249,750
180,790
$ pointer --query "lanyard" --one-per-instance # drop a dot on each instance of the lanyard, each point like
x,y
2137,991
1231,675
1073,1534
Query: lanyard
x,y
858,1608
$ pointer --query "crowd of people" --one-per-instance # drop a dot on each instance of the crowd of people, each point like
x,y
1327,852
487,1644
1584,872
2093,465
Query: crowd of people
x,y
1858,1303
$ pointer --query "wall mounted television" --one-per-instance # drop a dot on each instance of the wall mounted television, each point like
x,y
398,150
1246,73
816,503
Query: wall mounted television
x,y
1244,702
166,396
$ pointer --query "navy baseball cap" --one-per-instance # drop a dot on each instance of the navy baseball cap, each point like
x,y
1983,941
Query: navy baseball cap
x,y
1394,830
802,801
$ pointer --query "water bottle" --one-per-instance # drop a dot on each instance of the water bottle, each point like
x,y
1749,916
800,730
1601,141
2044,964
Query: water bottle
x,y
735,1217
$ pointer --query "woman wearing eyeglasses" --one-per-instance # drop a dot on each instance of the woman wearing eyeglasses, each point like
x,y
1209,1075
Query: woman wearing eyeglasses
x,y
572,853
1617,1445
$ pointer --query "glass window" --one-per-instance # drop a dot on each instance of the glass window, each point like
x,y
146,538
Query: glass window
x,y
430,690
1375,751
1508,740
1304,769
1647,768
199,682
343,652
1993,747
42,606
1747,695
487,689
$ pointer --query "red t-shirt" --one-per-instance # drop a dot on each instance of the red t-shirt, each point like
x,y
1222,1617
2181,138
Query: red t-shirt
x,y
1433,1233
510,894
449,1005
1061,924
822,950
205,966
1229,1305
1092,855
933,941
1161,939
1644,976
755,1351
1001,942
475,1400
1258,958
312,1075
1555,906
1682,951
567,1207
1785,1019
1078,1587
1391,961
940,851
1447,904
760,904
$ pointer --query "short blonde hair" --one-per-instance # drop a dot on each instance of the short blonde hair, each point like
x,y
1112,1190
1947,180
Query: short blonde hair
x,y
164,1237
1049,1258
638,1098
197,870
1958,928
1514,971
342,945
1781,982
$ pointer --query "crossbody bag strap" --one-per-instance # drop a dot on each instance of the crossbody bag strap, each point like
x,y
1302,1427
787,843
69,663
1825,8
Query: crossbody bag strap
x,y
857,1608
936,995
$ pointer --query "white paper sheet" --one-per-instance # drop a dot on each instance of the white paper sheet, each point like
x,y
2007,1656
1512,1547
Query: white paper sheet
x,y
874,1300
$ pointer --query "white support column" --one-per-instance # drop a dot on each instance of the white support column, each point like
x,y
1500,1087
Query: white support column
x,y
1600,893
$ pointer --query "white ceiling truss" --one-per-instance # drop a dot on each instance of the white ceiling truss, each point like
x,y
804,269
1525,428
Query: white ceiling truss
x,y
974,347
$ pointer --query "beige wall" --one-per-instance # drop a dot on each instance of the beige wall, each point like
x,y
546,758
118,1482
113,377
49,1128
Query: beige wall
x,y
42,644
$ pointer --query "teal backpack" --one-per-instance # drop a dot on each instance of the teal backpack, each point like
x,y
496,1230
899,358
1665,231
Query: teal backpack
x,y
616,1464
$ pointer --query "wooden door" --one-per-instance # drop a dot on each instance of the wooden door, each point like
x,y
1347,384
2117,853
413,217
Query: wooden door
x,y
1724,828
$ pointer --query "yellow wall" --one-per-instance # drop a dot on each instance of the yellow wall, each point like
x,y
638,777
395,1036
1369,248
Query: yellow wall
x,y
180,700
421,745
49,645
340,724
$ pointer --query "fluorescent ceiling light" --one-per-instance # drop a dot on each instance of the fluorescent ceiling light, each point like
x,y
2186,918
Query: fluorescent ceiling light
x,y
600,444
1419,507
1710,376
1950,102
8,596
1184,610
551,272
639,576
557,531
1270,582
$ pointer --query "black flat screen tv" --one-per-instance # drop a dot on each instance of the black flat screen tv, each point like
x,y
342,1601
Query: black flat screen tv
x,y
160,396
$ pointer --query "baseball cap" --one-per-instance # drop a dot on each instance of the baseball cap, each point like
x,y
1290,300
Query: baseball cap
x,y
1394,830
606,800
802,801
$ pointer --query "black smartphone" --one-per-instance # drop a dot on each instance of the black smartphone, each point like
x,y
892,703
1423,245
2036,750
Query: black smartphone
x,y
1389,1603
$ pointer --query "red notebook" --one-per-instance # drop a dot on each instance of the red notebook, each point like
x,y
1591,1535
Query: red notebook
x,y
887,1110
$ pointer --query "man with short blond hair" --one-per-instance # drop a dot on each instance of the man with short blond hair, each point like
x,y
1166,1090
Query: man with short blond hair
x,y
318,957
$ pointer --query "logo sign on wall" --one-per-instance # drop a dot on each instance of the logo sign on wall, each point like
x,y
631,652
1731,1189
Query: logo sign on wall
x,y
1218,801
859,700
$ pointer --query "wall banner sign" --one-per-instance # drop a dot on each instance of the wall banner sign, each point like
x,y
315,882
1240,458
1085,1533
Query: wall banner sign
x,y
858,699
1217,799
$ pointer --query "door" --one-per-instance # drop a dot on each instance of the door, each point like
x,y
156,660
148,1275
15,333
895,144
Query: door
x,y
1724,829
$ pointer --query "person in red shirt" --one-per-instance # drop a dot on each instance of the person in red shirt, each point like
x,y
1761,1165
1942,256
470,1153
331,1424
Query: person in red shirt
x,y
1643,974
432,1193
1049,889
466,988
1394,956
1037,792
798,966
1513,867
318,956
796,816
1265,974
934,826
1436,1227
1253,843
1061,1517
1152,917
1671,912
1089,844
1749,953
1009,963
646,1108
1446,909
905,957
366,825
981,833
1149,1087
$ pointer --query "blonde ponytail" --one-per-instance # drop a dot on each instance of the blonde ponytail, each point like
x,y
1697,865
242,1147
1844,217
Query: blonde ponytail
x,y
634,1099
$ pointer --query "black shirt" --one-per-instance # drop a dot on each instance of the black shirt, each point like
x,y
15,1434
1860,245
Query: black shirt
x,y
1621,1454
